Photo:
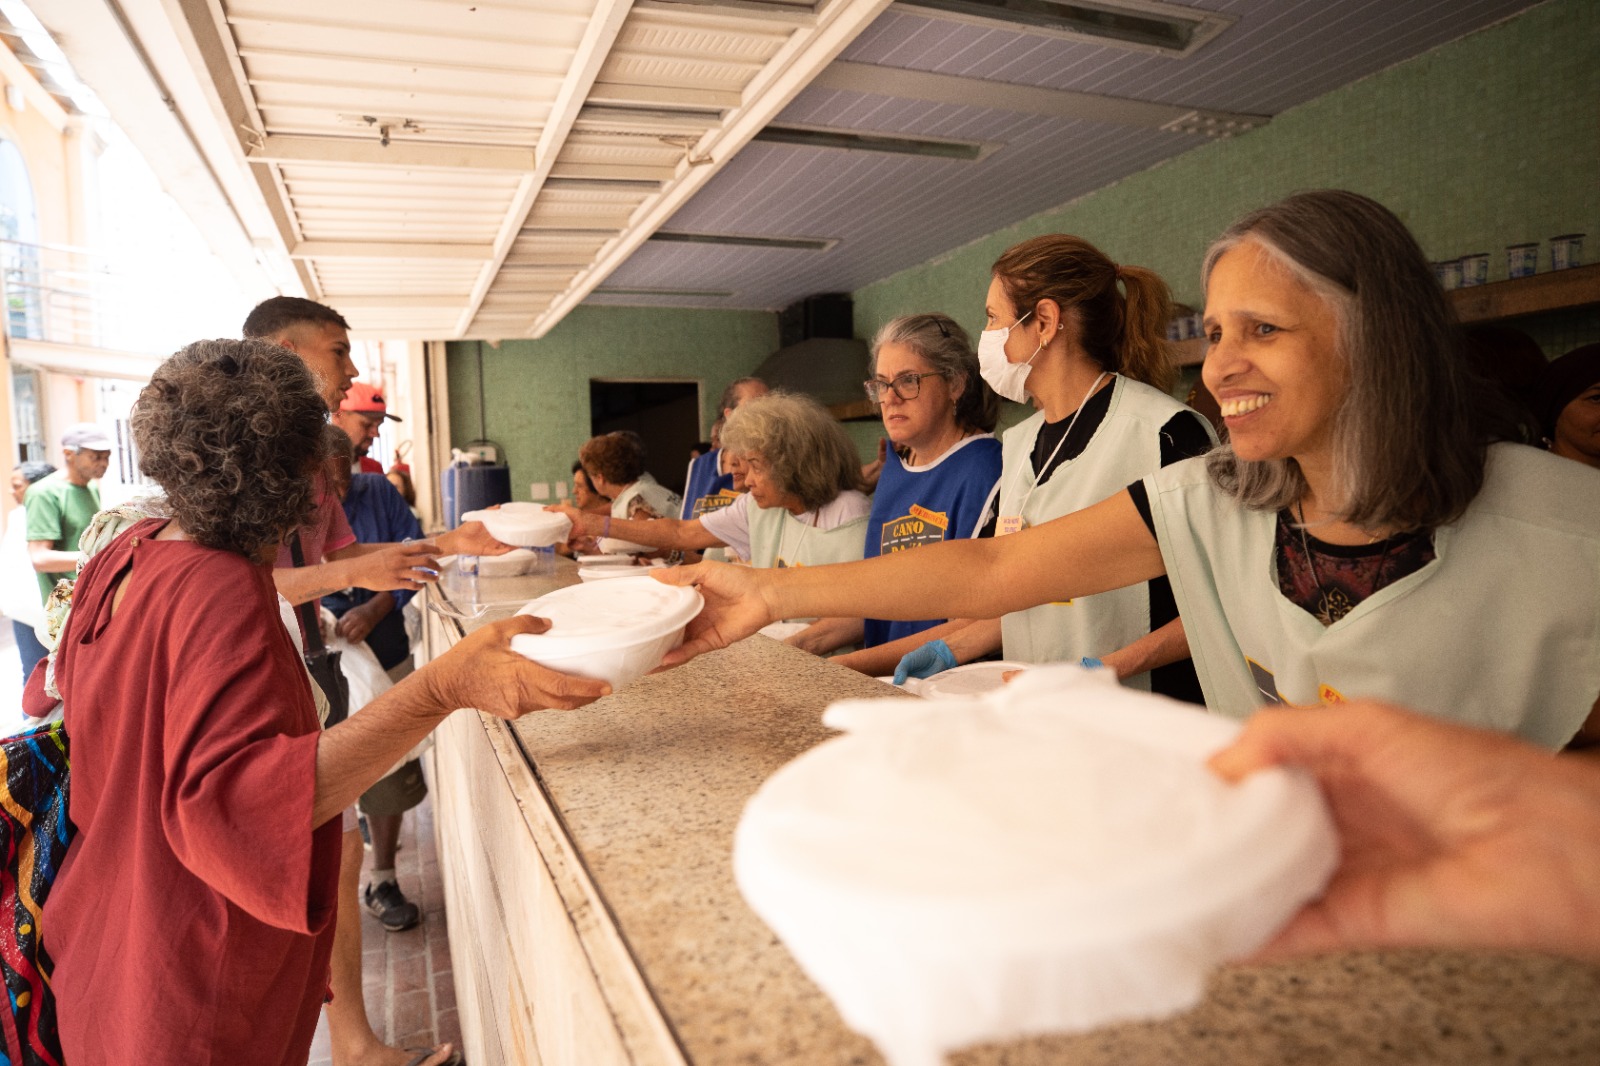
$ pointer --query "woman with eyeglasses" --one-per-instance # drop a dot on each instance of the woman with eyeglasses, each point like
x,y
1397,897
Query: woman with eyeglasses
x,y
1086,340
1365,533
939,417
803,506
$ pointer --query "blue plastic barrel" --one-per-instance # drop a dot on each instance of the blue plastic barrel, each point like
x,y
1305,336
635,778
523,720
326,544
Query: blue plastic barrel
x,y
471,488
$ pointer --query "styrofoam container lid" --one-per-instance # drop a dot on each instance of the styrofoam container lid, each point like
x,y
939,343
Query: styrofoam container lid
x,y
527,525
598,615
964,682
607,573
616,546
513,563
604,560
1061,835
782,630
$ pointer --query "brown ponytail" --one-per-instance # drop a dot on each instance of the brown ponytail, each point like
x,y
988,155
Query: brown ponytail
x,y
1146,309
1123,334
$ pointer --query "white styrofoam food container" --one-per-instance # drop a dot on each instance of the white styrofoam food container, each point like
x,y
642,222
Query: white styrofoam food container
x,y
615,630
964,682
608,573
514,563
616,546
525,525
1051,857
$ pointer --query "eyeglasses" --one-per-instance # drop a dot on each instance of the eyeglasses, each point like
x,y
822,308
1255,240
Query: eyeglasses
x,y
907,386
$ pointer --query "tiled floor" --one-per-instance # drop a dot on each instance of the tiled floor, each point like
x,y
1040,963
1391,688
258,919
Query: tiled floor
x,y
410,991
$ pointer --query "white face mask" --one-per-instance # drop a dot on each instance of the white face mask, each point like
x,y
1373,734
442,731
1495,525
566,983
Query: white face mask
x,y
1004,376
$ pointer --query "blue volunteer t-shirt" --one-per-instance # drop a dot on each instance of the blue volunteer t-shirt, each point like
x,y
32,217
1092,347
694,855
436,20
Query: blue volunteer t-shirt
x,y
925,505
706,489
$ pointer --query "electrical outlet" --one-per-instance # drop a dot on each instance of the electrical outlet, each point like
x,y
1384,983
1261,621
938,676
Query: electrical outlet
x,y
539,490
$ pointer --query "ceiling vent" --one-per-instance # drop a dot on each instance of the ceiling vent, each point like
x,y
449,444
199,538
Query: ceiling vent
x,y
924,147
1143,25
802,244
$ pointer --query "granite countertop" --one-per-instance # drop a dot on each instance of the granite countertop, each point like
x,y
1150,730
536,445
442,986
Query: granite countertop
x,y
650,782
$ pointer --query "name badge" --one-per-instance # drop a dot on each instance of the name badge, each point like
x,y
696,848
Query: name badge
x,y
1011,523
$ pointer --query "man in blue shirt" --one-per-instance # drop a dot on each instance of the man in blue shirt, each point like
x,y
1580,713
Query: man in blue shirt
x,y
706,488
378,514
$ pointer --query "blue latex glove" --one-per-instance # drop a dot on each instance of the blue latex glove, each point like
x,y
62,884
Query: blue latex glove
x,y
932,658
1092,663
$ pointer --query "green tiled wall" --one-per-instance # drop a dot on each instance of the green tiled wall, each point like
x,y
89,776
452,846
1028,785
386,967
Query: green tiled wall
x,y
1488,141
537,391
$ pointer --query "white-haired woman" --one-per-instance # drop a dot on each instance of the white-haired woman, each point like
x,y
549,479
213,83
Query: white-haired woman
x,y
1358,537
1085,338
803,506
939,415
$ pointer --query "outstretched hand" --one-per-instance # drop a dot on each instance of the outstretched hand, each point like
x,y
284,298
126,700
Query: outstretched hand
x,y
471,538
584,524
735,607
405,567
483,672
1450,836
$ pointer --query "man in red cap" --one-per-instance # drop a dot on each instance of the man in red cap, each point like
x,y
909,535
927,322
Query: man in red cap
x,y
361,415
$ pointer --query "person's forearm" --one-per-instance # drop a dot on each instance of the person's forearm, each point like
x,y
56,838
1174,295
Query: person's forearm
x,y
883,658
1165,646
672,533
51,561
827,634
301,584
1099,548
354,754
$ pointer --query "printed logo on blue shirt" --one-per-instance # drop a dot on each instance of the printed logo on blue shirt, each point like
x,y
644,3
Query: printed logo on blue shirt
x,y
917,527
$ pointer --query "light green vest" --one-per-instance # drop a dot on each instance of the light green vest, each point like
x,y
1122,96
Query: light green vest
x,y
1501,630
1125,447
778,538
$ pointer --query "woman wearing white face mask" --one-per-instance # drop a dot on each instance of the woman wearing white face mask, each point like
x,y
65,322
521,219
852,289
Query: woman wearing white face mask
x,y
1360,536
1087,340
939,416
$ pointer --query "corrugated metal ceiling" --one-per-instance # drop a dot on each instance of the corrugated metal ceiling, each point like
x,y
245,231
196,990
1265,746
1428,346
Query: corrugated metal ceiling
x,y
449,168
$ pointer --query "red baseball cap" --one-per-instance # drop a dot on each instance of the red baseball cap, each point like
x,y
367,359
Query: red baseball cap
x,y
367,400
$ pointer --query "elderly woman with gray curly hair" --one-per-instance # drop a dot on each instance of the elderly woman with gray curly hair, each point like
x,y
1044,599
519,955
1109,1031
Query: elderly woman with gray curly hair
x,y
804,506
193,916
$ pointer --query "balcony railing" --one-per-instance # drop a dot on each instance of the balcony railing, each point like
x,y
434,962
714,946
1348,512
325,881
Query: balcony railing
x,y
64,295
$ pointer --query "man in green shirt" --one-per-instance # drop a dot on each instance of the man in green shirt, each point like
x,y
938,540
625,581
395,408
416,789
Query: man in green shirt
x,y
61,506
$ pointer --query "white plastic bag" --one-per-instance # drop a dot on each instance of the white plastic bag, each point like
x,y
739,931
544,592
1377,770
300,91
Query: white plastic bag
x,y
368,681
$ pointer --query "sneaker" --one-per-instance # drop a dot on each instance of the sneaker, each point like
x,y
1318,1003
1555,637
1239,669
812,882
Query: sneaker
x,y
385,902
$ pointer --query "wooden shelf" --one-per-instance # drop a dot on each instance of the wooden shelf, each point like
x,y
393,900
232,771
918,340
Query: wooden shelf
x,y
1555,290
1191,352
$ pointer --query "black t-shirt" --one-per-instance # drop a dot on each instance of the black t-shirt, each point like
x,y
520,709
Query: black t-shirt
x,y
1327,580
1183,437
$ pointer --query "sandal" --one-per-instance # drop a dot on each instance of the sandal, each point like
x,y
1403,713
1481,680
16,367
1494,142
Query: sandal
x,y
426,1053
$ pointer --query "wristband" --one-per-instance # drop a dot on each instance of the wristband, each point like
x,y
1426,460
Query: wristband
x,y
606,532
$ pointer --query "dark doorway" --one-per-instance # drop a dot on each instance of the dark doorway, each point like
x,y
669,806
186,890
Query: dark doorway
x,y
665,413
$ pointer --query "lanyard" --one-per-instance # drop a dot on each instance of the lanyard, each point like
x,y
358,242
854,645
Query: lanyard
x,y
783,534
1023,506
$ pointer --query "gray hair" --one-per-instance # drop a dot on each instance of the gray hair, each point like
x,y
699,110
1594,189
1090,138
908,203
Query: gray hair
x,y
806,449
1409,442
945,347
730,395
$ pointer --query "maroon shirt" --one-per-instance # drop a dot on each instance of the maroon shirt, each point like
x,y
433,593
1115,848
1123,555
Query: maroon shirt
x,y
193,917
